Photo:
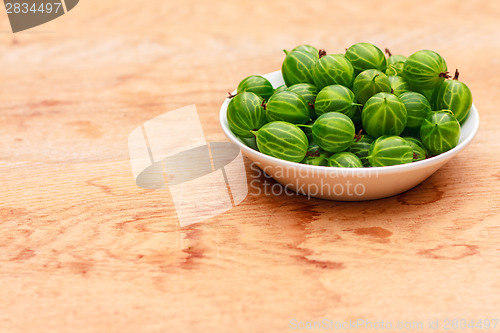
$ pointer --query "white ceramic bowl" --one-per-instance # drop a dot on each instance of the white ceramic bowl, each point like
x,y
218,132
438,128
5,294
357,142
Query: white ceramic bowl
x,y
348,184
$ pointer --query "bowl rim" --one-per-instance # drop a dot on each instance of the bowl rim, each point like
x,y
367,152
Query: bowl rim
x,y
443,157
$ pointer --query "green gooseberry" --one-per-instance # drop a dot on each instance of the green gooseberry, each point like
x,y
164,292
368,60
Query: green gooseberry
x,y
390,150
365,56
395,68
307,129
455,96
287,106
313,149
309,92
395,63
333,132
440,132
425,69
315,155
360,147
395,58
417,108
282,140
258,85
320,160
429,94
398,85
336,98
419,151
280,89
345,160
297,67
305,48
332,69
249,142
370,82
245,114
384,114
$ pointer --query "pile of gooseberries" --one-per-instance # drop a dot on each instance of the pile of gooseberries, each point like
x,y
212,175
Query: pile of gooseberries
x,y
357,109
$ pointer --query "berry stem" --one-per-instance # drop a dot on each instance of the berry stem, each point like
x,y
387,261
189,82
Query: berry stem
x,y
358,136
231,95
446,75
388,52
302,125
321,53
456,74
313,154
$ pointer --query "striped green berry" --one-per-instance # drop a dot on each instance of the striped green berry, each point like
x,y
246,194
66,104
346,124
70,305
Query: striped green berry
x,y
315,155
336,98
297,67
306,48
333,132
320,160
370,82
282,140
384,114
258,85
440,132
395,58
245,114
417,108
365,56
455,96
398,85
425,69
395,68
307,129
313,149
419,151
390,150
345,160
287,106
249,142
395,63
429,94
309,92
280,89
361,147
333,69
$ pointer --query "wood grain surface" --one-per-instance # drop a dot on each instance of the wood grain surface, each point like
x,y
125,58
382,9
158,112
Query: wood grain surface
x,y
83,249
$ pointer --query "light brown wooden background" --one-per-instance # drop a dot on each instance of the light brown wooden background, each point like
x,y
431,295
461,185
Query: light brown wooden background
x,y
83,249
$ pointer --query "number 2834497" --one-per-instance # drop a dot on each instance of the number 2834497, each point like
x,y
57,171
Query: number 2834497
x,y
26,8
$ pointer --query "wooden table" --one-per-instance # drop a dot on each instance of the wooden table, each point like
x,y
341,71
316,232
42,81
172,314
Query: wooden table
x,y
83,249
